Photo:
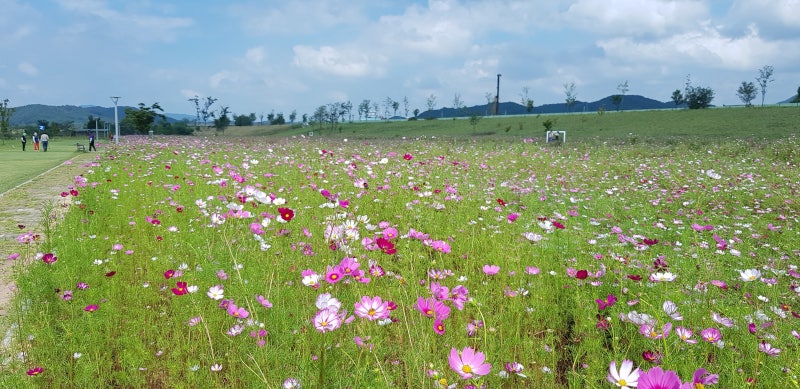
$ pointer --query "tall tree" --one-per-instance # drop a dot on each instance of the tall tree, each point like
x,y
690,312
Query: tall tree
x,y
796,98
222,121
526,101
196,101
617,99
363,109
5,117
405,105
206,112
431,102
677,97
747,93
395,107
764,78
293,116
457,102
142,118
570,96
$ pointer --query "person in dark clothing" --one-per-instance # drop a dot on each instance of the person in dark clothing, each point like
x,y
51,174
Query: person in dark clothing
x,y
24,140
91,142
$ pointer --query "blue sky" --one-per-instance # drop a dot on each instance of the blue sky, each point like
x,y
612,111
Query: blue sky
x,y
265,56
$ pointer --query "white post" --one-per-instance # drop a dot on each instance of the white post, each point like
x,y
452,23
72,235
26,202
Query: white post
x,y
116,119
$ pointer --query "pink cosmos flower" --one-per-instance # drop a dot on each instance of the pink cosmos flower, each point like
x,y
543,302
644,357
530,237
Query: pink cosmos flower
x,y
438,327
721,319
685,334
440,246
711,335
425,306
238,312
35,371
767,348
491,270
91,308
650,331
334,274
469,364
372,308
533,270
700,379
656,378
263,301
390,233
512,217
328,319
698,227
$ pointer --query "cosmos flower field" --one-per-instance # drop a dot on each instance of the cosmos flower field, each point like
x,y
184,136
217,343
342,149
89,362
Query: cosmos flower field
x,y
189,262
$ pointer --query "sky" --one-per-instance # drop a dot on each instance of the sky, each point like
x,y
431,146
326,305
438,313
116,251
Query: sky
x,y
282,56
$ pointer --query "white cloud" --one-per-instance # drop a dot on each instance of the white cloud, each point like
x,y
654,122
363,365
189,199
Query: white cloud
x,y
224,76
132,23
706,47
340,62
635,18
27,68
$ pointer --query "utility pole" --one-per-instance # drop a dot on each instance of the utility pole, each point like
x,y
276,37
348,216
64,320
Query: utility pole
x,y
116,119
497,97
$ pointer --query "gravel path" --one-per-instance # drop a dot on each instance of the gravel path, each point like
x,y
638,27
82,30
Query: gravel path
x,y
22,206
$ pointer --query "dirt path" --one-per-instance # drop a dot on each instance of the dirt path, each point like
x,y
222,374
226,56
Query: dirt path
x,y
22,206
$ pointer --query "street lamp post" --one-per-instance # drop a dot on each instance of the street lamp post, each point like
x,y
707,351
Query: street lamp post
x,y
497,97
116,119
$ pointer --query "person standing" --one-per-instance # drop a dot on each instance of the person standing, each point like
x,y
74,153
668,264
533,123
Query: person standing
x,y
44,139
91,142
24,139
35,141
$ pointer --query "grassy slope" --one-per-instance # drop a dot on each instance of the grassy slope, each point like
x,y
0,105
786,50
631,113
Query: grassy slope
x,y
742,123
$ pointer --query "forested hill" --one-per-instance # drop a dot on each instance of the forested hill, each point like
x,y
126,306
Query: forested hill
x,y
630,102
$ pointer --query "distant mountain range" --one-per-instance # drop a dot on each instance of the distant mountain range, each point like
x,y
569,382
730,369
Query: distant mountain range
x,y
629,102
32,113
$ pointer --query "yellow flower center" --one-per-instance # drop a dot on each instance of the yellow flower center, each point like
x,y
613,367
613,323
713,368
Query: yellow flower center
x,y
429,312
622,383
323,324
466,369
699,386
371,312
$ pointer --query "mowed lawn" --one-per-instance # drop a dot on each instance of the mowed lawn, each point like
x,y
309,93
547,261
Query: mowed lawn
x,y
19,166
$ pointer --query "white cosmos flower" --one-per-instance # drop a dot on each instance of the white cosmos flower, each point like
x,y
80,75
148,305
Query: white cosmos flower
x,y
712,174
626,377
663,277
216,292
749,275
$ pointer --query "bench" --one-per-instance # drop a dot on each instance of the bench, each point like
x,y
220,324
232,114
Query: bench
x,y
558,136
80,147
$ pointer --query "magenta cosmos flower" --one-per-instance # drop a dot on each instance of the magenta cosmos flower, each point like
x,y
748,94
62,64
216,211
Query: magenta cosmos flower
x,y
656,378
469,364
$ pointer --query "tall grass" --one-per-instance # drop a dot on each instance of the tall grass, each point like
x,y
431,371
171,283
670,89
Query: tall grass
x,y
566,226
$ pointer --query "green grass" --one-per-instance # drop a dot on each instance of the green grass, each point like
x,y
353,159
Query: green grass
x,y
19,166
652,126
